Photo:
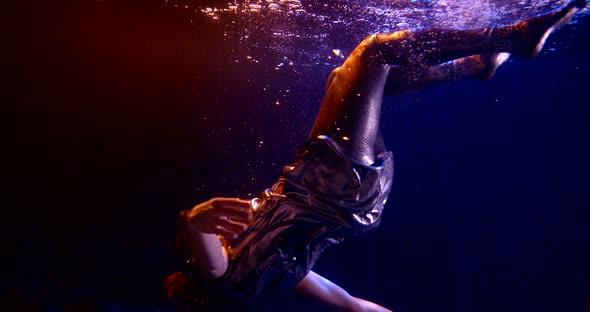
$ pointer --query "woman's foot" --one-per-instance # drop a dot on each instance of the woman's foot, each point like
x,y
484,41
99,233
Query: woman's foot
x,y
529,36
490,63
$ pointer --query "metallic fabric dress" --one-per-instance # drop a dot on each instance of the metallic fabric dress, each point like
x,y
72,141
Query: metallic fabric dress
x,y
319,201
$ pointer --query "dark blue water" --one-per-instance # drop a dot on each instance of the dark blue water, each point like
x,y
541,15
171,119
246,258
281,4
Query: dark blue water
x,y
120,114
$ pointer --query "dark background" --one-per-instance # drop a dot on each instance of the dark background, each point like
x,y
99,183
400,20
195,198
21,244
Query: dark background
x,y
120,114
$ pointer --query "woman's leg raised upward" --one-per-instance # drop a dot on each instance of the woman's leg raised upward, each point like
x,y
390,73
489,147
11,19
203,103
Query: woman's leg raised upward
x,y
351,108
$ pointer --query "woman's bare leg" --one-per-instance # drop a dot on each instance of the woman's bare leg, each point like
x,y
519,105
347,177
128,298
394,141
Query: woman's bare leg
x,y
481,67
351,108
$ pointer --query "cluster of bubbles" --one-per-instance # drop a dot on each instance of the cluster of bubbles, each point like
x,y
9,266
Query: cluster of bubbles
x,y
311,30
298,43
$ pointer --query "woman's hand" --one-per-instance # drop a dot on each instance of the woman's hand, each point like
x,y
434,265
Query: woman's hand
x,y
227,217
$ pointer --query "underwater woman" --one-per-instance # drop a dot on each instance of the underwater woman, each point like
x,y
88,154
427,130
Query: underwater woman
x,y
235,251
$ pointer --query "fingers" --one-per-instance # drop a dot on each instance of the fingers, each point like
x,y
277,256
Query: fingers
x,y
227,217
227,234
234,208
231,202
237,209
229,229
242,216
223,226
236,227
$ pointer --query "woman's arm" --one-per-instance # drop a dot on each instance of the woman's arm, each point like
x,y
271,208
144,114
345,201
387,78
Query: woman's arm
x,y
206,222
319,289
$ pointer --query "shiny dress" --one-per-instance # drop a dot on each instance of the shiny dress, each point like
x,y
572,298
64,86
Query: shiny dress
x,y
319,201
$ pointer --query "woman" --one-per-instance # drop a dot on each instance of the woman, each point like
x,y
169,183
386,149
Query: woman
x,y
236,250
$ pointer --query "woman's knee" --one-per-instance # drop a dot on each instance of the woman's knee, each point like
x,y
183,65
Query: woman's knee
x,y
386,48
